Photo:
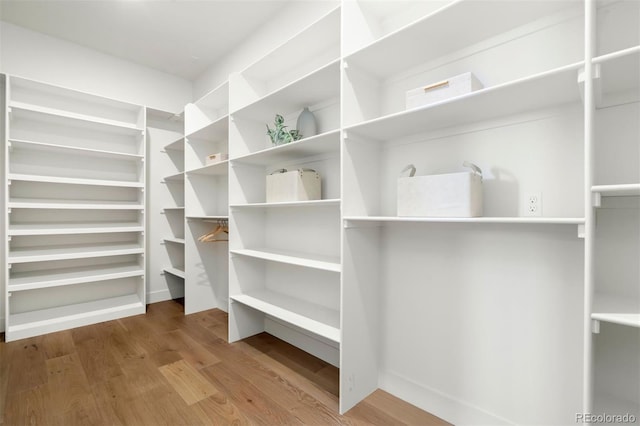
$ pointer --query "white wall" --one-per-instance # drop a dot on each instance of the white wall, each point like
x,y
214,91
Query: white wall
x,y
292,19
33,55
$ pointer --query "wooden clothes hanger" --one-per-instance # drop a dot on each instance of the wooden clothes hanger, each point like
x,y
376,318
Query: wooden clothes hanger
x,y
212,236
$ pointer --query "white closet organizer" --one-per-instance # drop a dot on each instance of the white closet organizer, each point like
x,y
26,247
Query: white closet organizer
x,y
285,265
448,313
207,200
166,201
75,209
616,198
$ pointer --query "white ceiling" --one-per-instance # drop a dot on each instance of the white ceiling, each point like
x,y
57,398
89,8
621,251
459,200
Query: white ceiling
x,y
180,37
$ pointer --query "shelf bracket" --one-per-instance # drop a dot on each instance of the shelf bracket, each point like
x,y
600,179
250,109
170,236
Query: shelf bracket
x,y
9,266
345,134
581,230
595,326
9,211
9,238
345,65
9,113
596,199
597,84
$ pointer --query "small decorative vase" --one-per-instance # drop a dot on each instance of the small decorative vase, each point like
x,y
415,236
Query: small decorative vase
x,y
306,124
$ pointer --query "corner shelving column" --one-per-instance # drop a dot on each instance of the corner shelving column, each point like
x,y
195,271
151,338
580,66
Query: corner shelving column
x,y
75,209
615,314
4,130
426,300
165,198
206,200
285,268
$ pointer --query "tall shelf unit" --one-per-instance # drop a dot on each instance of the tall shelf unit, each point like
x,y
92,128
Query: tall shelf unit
x,y
166,202
285,264
615,196
431,286
75,173
206,200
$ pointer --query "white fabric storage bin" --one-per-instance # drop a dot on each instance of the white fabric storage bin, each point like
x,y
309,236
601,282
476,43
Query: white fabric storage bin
x,y
452,87
445,195
293,185
216,158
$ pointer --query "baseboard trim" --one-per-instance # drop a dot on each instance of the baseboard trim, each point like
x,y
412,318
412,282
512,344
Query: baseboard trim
x,y
437,403
162,295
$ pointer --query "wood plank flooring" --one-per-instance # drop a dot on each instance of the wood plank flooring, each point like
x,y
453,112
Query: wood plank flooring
x,y
165,368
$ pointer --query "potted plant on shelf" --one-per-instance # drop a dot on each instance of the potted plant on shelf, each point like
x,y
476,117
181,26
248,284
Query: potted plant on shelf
x,y
280,135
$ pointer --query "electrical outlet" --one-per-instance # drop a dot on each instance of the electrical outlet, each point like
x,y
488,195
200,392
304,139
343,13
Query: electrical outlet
x,y
532,204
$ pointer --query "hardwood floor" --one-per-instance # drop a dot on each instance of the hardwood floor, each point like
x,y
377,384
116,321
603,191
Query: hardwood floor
x,y
164,368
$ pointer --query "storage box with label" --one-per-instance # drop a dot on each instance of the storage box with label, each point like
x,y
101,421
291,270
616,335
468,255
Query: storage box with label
x,y
293,185
450,88
216,158
443,195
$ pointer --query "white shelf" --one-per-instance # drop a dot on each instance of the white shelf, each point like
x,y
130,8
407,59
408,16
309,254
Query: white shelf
x,y
215,131
619,77
80,251
209,109
47,320
497,220
542,90
324,143
73,228
177,145
617,310
73,181
216,169
39,203
451,28
318,43
49,147
623,190
311,89
173,208
219,217
175,240
325,263
175,178
308,316
102,122
68,276
175,271
312,203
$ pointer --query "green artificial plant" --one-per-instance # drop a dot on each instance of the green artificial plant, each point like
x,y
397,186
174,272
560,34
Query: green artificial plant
x,y
280,135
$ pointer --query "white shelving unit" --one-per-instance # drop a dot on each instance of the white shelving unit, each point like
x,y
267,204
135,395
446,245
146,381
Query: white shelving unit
x,y
75,179
206,200
614,316
166,201
508,301
417,293
285,266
